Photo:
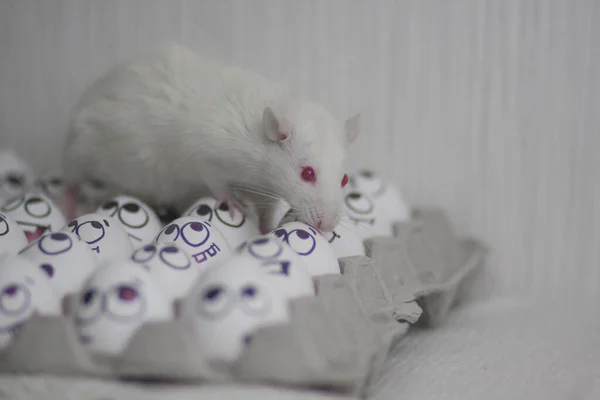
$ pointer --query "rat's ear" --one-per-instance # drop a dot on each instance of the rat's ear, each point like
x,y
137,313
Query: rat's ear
x,y
352,128
277,127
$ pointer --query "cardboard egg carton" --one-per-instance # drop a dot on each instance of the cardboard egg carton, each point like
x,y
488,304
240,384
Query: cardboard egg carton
x,y
428,258
338,340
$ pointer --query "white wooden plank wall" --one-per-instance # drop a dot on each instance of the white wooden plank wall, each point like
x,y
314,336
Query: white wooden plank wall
x,y
490,109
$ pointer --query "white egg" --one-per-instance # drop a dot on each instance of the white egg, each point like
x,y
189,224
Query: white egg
x,y
237,228
313,248
103,234
228,304
199,238
282,266
344,240
65,258
138,219
16,177
114,302
385,195
24,289
366,216
12,237
171,267
35,213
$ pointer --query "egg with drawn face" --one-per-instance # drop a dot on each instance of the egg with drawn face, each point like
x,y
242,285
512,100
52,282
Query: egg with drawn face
x,y
282,266
52,186
310,245
344,240
236,227
228,304
16,177
12,237
104,235
24,290
139,220
35,213
170,265
114,302
365,216
64,257
199,238
384,194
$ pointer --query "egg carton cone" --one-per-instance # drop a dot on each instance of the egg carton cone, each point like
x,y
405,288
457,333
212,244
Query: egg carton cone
x,y
428,256
51,344
169,351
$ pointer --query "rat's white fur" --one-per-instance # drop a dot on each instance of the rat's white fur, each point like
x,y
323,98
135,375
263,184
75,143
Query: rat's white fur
x,y
172,125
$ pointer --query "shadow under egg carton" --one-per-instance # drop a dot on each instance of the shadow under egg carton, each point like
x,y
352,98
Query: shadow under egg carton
x,y
338,340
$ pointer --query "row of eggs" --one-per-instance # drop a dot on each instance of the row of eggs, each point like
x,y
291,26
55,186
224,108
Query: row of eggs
x,y
123,268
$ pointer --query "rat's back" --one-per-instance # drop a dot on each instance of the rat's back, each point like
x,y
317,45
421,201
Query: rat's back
x,y
133,128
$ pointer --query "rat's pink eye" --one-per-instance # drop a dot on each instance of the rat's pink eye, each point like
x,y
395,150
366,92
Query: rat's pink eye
x,y
308,175
345,180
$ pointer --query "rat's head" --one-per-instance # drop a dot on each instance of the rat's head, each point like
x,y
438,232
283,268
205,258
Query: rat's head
x,y
307,159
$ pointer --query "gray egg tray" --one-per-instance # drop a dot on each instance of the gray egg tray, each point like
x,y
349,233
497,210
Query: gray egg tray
x,y
338,340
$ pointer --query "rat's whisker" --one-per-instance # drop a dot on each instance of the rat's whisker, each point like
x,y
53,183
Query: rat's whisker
x,y
257,192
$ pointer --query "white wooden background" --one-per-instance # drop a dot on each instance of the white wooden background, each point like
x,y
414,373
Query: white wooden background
x,y
490,109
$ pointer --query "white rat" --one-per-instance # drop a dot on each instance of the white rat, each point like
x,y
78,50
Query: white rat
x,y
172,126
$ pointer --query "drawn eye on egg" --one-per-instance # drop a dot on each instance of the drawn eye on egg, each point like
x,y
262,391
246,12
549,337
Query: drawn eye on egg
x,y
358,203
277,267
52,186
111,207
144,254
90,306
14,299
37,207
133,216
170,233
90,232
125,302
254,300
55,243
205,211
281,233
174,258
13,204
222,213
129,214
264,248
194,233
13,183
4,228
302,241
214,302
365,173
